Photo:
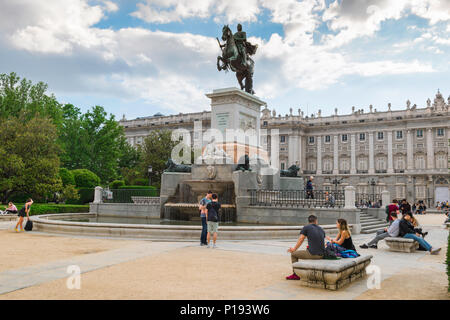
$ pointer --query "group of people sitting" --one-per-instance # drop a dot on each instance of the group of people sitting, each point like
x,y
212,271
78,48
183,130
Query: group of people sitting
x,y
407,227
342,245
443,206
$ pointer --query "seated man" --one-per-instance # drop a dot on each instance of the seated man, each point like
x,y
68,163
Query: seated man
x,y
316,244
407,231
392,231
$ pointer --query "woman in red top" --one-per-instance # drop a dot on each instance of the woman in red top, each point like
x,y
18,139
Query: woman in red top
x,y
392,207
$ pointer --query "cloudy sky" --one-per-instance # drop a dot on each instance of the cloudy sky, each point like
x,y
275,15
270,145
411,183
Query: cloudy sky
x,y
141,57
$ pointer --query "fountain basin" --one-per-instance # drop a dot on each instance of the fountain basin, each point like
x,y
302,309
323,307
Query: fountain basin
x,y
61,224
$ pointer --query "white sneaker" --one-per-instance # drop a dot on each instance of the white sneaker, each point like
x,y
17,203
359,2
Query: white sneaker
x,y
435,251
214,246
208,246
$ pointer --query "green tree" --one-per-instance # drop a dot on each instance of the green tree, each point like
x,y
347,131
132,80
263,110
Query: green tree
x,y
29,161
67,177
21,97
93,141
85,178
156,150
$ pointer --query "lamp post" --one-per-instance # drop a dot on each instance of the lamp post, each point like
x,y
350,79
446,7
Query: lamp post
x,y
372,183
336,182
150,170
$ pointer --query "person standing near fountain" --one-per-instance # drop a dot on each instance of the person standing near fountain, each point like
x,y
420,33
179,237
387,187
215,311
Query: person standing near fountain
x,y
213,219
203,216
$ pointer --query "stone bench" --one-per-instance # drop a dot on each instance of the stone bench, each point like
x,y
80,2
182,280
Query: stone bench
x,y
331,274
400,244
145,200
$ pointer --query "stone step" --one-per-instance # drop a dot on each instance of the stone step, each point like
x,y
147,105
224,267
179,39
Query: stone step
x,y
367,218
372,229
372,223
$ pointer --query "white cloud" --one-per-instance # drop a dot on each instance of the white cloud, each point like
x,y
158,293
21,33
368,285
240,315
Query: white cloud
x,y
174,70
166,11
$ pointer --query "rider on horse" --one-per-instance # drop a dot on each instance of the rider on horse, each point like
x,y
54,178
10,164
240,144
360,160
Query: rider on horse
x,y
240,38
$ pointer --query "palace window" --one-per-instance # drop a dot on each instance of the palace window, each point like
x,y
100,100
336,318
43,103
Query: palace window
x,y
420,162
400,192
440,132
399,135
441,161
381,163
362,136
362,164
311,165
345,164
327,138
419,133
311,140
282,139
344,137
399,163
380,136
420,192
327,165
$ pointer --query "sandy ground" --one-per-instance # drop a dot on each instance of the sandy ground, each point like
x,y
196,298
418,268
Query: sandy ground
x,y
187,273
25,249
195,272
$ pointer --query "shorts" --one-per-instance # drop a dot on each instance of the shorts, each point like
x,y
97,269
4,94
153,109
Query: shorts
x,y
213,226
22,214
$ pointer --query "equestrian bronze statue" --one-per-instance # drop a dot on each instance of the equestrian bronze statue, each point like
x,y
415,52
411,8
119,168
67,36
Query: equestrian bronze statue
x,y
236,54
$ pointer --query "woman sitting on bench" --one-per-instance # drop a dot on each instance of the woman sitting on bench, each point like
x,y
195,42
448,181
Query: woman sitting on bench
x,y
344,238
11,209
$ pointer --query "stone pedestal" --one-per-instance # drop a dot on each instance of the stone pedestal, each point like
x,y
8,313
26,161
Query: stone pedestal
x,y
350,197
385,197
98,195
233,113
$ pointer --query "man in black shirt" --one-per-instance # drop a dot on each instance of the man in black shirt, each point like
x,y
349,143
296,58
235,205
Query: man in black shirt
x,y
405,207
213,219
316,244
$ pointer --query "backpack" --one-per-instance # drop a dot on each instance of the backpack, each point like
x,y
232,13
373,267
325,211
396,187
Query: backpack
x,y
329,254
29,225
212,214
387,213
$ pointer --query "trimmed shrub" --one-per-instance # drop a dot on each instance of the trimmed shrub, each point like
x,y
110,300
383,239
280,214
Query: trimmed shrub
x,y
85,178
153,192
116,184
67,177
141,182
43,208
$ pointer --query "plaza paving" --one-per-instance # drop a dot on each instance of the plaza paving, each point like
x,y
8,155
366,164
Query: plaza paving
x,y
34,266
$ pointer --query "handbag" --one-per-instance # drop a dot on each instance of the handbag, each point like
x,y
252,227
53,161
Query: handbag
x,y
29,225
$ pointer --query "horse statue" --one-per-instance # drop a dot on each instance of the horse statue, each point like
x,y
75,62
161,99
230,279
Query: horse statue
x,y
290,172
173,167
233,60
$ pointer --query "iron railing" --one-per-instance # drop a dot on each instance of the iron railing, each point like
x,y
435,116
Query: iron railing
x,y
138,196
297,198
368,200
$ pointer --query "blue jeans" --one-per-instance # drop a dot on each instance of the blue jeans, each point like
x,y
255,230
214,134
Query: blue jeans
x,y
204,231
421,242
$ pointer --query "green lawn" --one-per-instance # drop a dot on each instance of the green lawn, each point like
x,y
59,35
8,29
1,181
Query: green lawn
x,y
47,208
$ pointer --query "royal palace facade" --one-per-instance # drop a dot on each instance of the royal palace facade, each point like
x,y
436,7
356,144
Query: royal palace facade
x,y
403,151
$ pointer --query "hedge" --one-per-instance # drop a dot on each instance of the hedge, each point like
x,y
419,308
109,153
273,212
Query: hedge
x,y
85,178
154,192
43,208
138,187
